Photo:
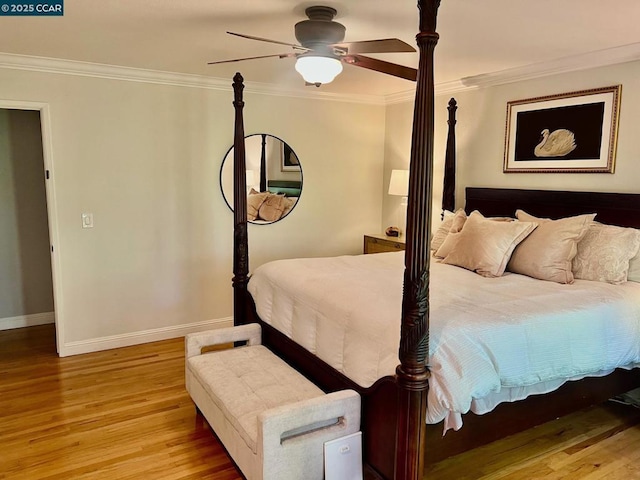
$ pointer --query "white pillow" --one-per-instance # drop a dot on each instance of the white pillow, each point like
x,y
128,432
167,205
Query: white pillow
x,y
484,245
604,253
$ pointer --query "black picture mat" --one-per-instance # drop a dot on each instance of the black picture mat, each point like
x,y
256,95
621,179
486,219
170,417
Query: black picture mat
x,y
290,158
585,121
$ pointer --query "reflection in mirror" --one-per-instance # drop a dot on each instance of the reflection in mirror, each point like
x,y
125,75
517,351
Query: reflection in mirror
x,y
274,178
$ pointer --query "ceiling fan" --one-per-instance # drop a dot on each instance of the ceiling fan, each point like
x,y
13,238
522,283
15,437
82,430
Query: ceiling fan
x,y
322,51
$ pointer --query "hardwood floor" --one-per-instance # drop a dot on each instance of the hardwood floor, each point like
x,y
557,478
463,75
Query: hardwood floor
x,y
118,414
598,443
124,414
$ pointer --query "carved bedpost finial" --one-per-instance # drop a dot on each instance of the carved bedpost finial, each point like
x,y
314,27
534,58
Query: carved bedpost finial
x,y
428,14
453,106
449,189
238,87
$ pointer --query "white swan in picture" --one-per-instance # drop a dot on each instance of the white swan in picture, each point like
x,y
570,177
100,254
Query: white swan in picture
x,y
558,143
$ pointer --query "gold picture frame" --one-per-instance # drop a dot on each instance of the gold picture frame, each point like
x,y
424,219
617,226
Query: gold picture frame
x,y
569,132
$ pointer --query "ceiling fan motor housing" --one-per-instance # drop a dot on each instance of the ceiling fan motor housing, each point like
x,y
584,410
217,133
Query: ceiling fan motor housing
x,y
320,30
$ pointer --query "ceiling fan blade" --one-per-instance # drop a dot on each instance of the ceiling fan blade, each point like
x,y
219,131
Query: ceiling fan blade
x,y
281,55
250,37
383,45
389,68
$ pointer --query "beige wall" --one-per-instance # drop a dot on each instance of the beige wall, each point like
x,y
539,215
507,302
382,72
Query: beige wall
x,y
481,147
145,158
398,152
25,264
481,129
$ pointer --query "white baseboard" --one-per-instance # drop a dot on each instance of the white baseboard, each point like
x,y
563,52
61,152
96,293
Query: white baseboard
x,y
137,338
31,320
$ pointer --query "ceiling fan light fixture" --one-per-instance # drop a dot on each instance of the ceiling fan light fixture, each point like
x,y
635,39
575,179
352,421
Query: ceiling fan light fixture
x,y
318,69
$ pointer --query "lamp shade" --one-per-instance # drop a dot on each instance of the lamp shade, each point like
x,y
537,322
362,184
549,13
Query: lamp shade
x,y
251,178
399,183
317,69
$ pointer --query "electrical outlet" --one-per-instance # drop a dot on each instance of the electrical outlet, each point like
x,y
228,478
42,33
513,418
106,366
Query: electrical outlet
x,y
87,220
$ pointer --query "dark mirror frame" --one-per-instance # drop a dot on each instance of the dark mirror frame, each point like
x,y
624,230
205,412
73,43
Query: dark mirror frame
x,y
289,165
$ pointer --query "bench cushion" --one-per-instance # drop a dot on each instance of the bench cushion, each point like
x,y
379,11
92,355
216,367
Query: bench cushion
x,y
245,381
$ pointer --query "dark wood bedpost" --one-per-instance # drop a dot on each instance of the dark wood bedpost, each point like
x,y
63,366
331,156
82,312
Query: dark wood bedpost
x,y
412,374
263,164
240,238
449,190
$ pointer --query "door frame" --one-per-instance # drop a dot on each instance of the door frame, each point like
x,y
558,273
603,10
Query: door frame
x,y
52,208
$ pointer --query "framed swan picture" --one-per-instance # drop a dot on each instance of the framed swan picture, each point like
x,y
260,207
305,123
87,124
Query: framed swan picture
x,y
569,132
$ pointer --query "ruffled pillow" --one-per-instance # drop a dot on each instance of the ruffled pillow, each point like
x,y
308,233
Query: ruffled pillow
x,y
604,253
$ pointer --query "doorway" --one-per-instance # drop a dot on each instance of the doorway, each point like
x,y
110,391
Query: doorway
x,y
27,293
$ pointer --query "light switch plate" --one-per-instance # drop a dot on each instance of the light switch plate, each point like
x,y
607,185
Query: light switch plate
x,y
87,220
343,458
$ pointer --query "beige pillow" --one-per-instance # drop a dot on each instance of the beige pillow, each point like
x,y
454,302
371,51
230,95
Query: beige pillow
x,y
443,230
272,208
604,253
254,202
457,224
452,223
548,252
289,202
634,269
484,245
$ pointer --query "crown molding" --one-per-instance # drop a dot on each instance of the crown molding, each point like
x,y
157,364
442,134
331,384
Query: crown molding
x,y
400,97
575,63
600,58
130,74
444,88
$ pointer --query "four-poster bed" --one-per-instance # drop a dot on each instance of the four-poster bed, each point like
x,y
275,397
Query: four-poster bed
x,y
394,408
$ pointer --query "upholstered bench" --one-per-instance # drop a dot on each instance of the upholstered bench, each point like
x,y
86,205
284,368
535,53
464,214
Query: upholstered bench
x,y
270,418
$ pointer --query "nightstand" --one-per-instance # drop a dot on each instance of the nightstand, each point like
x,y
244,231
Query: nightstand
x,y
377,243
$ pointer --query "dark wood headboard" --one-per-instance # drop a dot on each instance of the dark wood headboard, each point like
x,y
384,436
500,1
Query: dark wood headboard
x,y
613,208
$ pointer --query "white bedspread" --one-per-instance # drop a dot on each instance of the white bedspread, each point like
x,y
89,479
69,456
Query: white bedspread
x,y
491,339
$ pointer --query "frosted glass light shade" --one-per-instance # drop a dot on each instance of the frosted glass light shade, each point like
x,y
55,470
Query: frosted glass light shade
x,y
318,69
399,183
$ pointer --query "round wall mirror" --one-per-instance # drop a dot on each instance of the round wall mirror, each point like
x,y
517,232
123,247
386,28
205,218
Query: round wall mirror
x,y
274,178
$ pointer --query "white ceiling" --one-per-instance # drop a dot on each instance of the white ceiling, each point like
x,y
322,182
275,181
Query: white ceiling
x,y
476,36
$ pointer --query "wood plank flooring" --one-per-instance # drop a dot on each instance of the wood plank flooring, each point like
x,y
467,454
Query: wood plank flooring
x,y
597,443
124,414
118,414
